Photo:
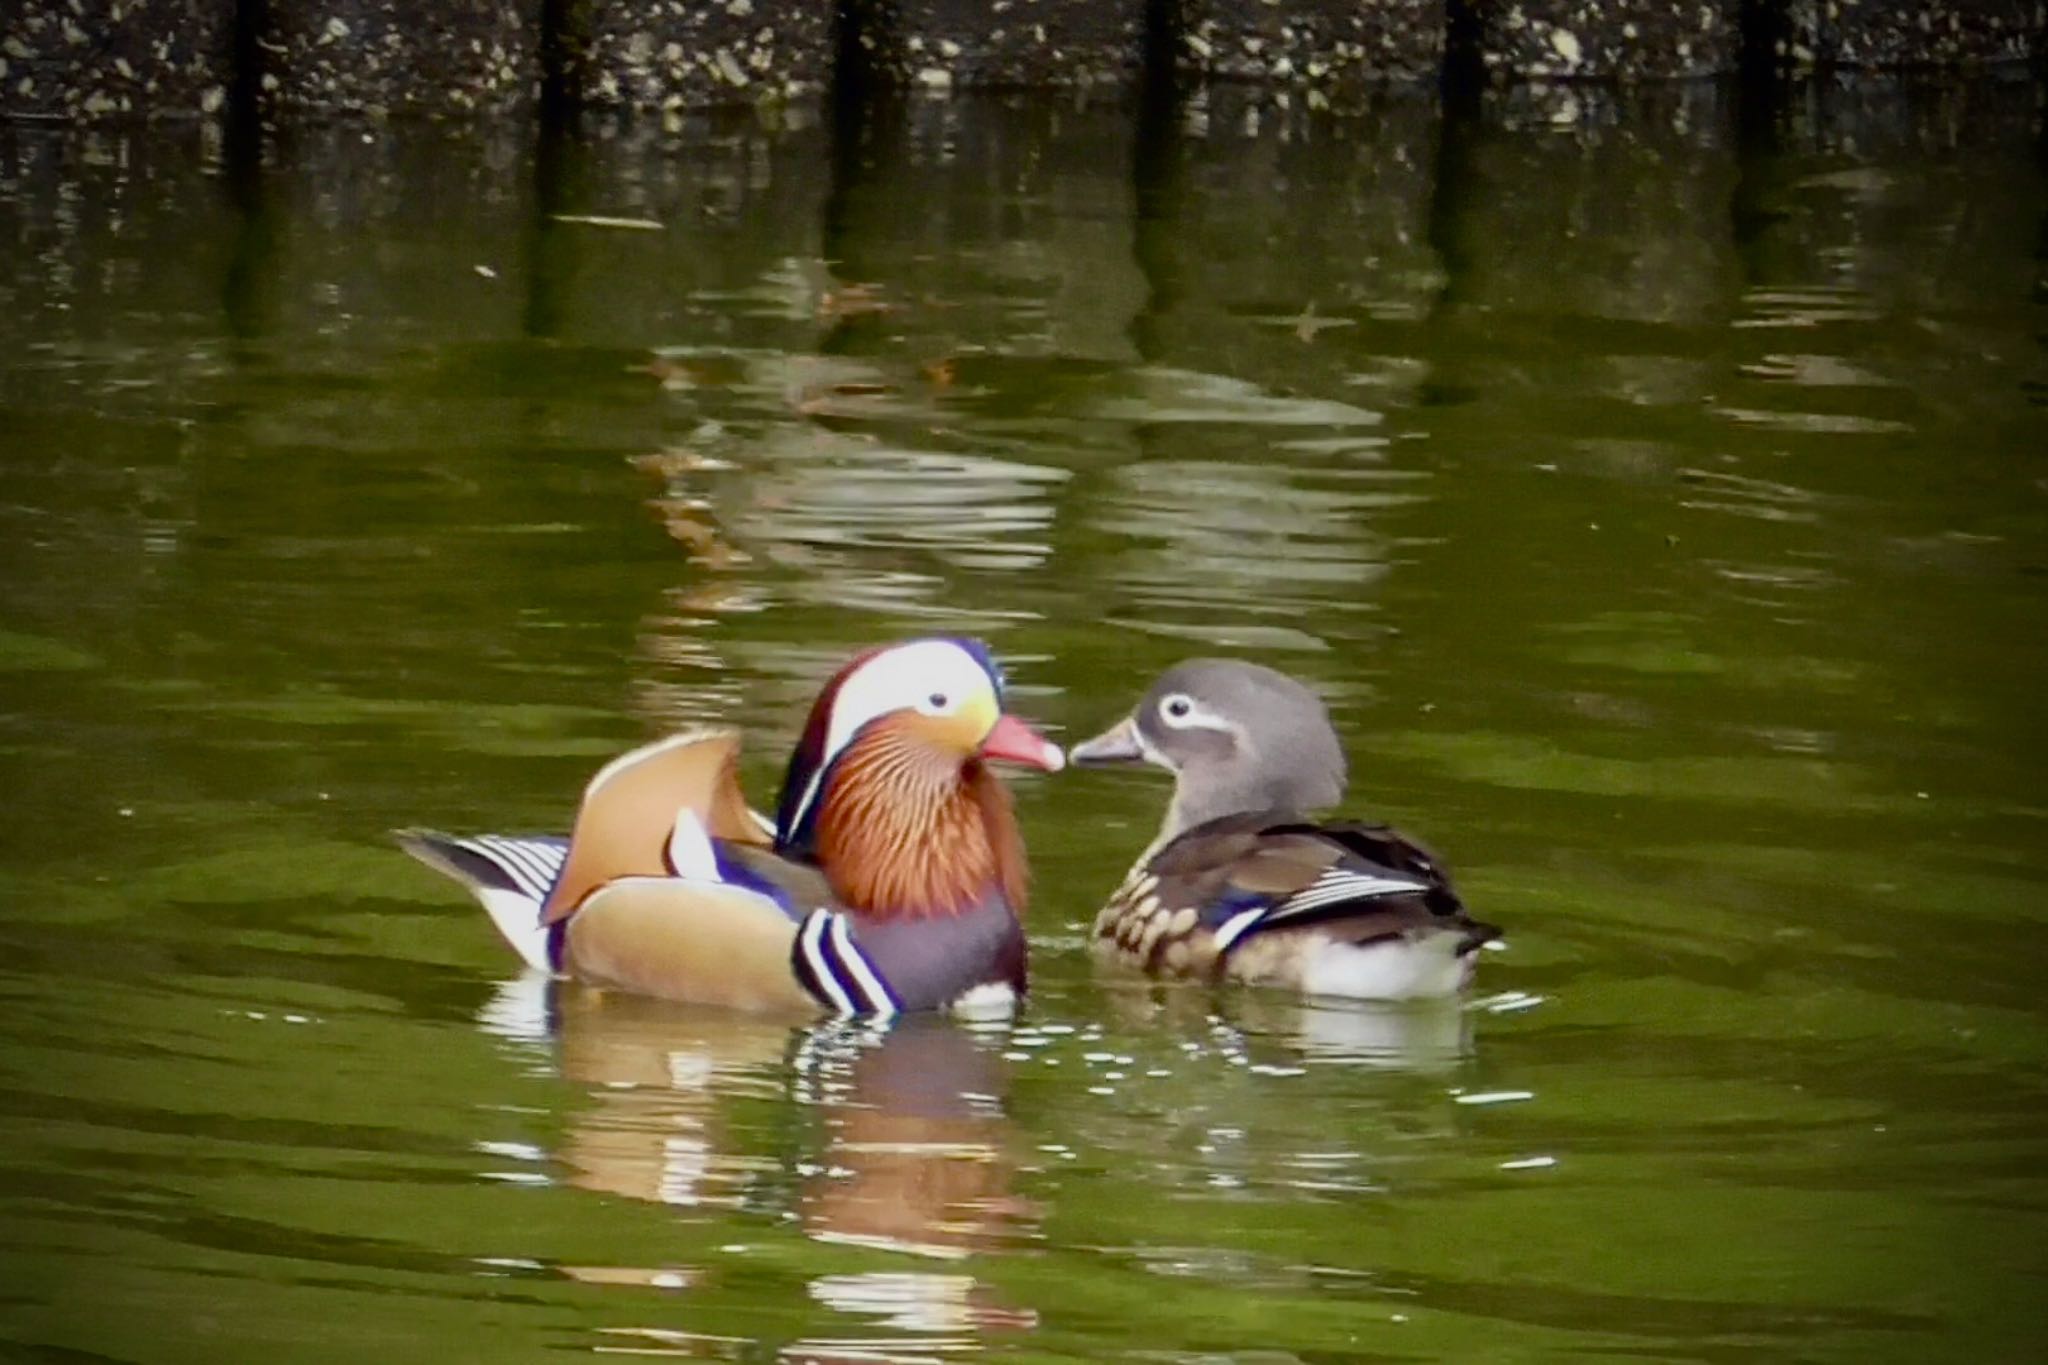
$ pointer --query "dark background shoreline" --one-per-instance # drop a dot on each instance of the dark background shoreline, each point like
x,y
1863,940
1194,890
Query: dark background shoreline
x,y
269,60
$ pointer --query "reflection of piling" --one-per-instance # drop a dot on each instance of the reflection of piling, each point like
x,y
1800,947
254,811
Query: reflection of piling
x,y
76,59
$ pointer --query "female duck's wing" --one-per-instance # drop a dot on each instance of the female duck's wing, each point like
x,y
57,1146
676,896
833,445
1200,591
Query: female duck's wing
x,y
1236,887
630,810
1301,872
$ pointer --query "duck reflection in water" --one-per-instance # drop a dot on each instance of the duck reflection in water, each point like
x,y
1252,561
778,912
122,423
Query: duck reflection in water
x,y
1421,1037
889,1135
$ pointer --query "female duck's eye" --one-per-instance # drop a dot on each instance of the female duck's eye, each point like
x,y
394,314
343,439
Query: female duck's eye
x,y
1176,708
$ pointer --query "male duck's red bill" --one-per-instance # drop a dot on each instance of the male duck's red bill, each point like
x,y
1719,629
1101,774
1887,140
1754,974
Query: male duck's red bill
x,y
892,878
1015,742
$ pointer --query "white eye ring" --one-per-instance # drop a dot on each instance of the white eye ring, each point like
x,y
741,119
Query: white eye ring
x,y
1178,710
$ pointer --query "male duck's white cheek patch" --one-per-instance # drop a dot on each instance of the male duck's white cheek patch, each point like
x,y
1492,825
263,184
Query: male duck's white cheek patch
x,y
902,677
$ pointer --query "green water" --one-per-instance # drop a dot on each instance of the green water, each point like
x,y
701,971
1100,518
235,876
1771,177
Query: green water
x,y
1658,491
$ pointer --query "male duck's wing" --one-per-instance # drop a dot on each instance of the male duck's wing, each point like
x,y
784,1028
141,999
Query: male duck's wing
x,y
510,875
630,812
1219,885
733,925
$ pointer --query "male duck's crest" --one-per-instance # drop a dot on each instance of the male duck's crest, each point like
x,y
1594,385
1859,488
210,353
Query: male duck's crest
x,y
1239,883
894,880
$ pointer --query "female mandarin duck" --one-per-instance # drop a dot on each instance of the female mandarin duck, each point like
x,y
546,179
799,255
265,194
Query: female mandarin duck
x,y
892,878
1240,884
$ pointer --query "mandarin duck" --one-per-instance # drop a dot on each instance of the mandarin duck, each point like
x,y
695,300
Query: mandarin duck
x,y
891,879
1241,884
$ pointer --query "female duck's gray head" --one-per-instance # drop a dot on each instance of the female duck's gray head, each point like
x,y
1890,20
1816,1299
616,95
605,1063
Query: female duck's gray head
x,y
1236,736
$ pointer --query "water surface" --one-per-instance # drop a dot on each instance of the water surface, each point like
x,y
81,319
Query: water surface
x,y
1655,488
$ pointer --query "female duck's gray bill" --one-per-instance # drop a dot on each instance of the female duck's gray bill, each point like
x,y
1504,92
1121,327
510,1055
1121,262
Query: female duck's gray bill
x,y
1118,744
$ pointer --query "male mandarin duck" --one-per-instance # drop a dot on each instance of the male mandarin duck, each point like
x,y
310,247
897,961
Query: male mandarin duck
x,y
1240,883
892,878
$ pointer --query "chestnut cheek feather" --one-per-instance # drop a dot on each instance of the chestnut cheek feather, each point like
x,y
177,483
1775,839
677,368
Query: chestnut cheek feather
x,y
902,835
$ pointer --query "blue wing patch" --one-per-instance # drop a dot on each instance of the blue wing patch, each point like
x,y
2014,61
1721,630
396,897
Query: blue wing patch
x,y
734,872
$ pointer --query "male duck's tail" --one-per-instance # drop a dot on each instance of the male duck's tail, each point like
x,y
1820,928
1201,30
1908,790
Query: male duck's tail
x,y
510,876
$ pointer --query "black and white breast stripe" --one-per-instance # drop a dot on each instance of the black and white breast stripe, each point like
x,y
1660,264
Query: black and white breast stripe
x,y
529,865
1337,886
833,968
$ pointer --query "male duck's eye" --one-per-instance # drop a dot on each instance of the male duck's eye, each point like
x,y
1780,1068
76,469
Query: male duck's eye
x,y
937,701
